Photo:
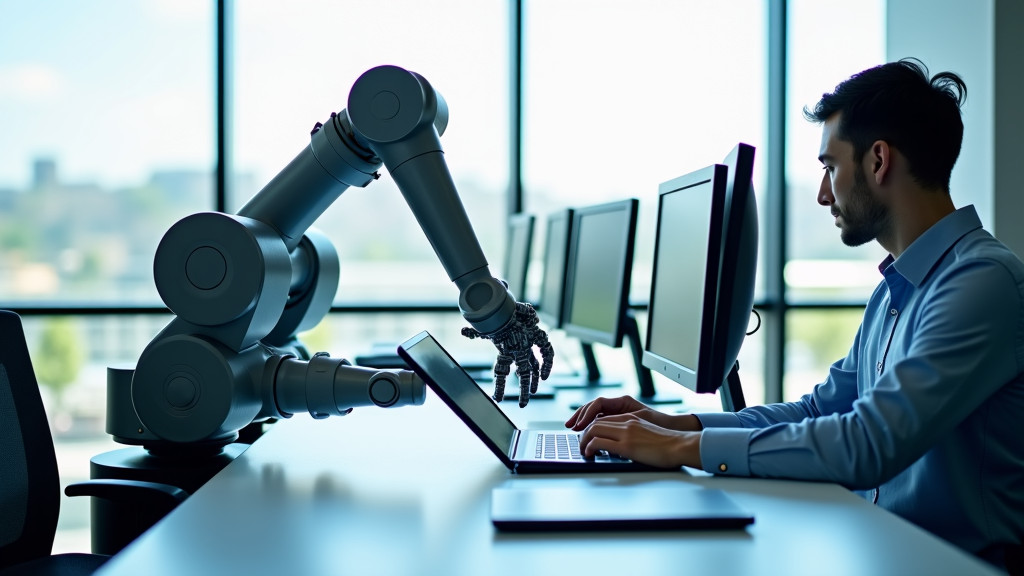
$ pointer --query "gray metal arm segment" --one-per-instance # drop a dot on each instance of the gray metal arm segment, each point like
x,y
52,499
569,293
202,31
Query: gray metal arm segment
x,y
242,286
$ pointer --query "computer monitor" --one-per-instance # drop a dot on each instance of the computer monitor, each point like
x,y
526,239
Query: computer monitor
x,y
599,271
558,227
517,253
702,285
598,278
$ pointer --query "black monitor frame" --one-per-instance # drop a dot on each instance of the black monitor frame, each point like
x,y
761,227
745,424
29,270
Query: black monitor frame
x,y
739,259
729,259
518,244
557,235
709,183
621,266
624,325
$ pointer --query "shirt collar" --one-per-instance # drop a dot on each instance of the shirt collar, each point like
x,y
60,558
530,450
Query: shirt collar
x,y
925,252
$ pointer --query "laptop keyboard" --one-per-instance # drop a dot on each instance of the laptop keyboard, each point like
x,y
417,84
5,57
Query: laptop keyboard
x,y
558,446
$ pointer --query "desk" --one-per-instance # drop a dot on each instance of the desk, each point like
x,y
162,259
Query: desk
x,y
362,494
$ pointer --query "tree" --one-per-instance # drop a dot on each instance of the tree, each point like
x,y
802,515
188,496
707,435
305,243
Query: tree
x,y
60,356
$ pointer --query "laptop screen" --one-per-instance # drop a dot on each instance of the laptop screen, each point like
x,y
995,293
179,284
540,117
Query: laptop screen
x,y
459,390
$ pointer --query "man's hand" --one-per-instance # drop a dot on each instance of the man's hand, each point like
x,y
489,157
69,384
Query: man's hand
x,y
632,437
515,343
590,411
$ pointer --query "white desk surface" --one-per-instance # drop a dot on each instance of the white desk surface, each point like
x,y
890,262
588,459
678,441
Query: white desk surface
x,y
406,491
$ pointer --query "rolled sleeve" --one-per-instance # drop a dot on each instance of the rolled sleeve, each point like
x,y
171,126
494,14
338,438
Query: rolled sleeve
x,y
725,451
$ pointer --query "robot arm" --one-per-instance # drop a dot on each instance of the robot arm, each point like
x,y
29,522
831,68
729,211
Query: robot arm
x,y
242,286
400,117
395,118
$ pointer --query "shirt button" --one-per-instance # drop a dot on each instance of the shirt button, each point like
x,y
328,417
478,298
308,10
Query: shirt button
x,y
722,467
878,367
892,312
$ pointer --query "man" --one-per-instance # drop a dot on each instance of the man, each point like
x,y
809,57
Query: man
x,y
924,413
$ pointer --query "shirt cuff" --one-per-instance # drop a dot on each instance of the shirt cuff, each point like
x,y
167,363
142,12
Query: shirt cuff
x,y
719,420
726,451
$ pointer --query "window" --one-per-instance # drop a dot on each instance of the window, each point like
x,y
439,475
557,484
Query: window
x,y
107,140
815,339
110,136
821,56
295,64
621,96
821,269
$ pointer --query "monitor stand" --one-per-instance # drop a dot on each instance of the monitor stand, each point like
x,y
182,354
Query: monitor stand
x,y
591,378
648,394
731,392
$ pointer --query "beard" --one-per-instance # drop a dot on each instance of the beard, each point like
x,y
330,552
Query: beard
x,y
863,216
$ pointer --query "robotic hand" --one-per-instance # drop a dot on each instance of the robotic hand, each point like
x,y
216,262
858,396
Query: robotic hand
x,y
515,344
241,286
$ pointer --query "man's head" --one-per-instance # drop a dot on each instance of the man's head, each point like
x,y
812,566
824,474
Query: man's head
x,y
860,215
899,104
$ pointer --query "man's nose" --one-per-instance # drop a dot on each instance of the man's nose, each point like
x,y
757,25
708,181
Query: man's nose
x,y
825,197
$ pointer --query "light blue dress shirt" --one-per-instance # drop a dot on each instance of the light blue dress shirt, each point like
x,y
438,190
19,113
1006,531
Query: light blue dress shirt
x,y
926,413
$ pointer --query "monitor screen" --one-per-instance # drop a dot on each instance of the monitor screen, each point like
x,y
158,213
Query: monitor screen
x,y
702,284
517,253
556,253
599,267
684,280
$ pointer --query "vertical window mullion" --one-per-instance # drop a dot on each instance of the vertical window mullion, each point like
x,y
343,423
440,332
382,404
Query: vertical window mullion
x,y
223,104
775,212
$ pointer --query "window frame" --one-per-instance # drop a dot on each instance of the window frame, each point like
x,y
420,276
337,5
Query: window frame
x,y
773,306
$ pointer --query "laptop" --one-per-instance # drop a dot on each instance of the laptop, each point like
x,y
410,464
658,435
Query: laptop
x,y
581,506
522,451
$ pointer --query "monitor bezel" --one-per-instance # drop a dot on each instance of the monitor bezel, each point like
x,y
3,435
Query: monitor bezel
x,y
552,314
526,222
739,251
623,269
691,377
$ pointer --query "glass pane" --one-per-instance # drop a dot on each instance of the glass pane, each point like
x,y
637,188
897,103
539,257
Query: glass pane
x,y
107,140
751,361
295,64
644,92
70,356
815,339
822,54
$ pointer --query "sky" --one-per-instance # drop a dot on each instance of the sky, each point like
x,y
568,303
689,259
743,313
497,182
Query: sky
x,y
618,96
113,89
132,91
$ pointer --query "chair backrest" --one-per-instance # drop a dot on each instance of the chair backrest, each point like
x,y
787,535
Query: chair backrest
x,y
29,480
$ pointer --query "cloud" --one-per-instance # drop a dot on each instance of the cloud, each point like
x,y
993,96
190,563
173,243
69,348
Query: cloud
x,y
30,82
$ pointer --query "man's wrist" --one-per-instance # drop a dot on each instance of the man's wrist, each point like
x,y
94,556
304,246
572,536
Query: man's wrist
x,y
688,449
683,423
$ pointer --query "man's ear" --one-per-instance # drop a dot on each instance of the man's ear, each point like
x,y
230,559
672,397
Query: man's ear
x,y
880,156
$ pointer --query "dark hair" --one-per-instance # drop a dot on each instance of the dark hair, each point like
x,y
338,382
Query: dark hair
x,y
898,103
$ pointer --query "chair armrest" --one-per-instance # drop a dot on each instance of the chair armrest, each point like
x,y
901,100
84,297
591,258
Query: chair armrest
x,y
130,491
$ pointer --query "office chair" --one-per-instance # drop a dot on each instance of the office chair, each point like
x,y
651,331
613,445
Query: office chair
x,y
29,481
